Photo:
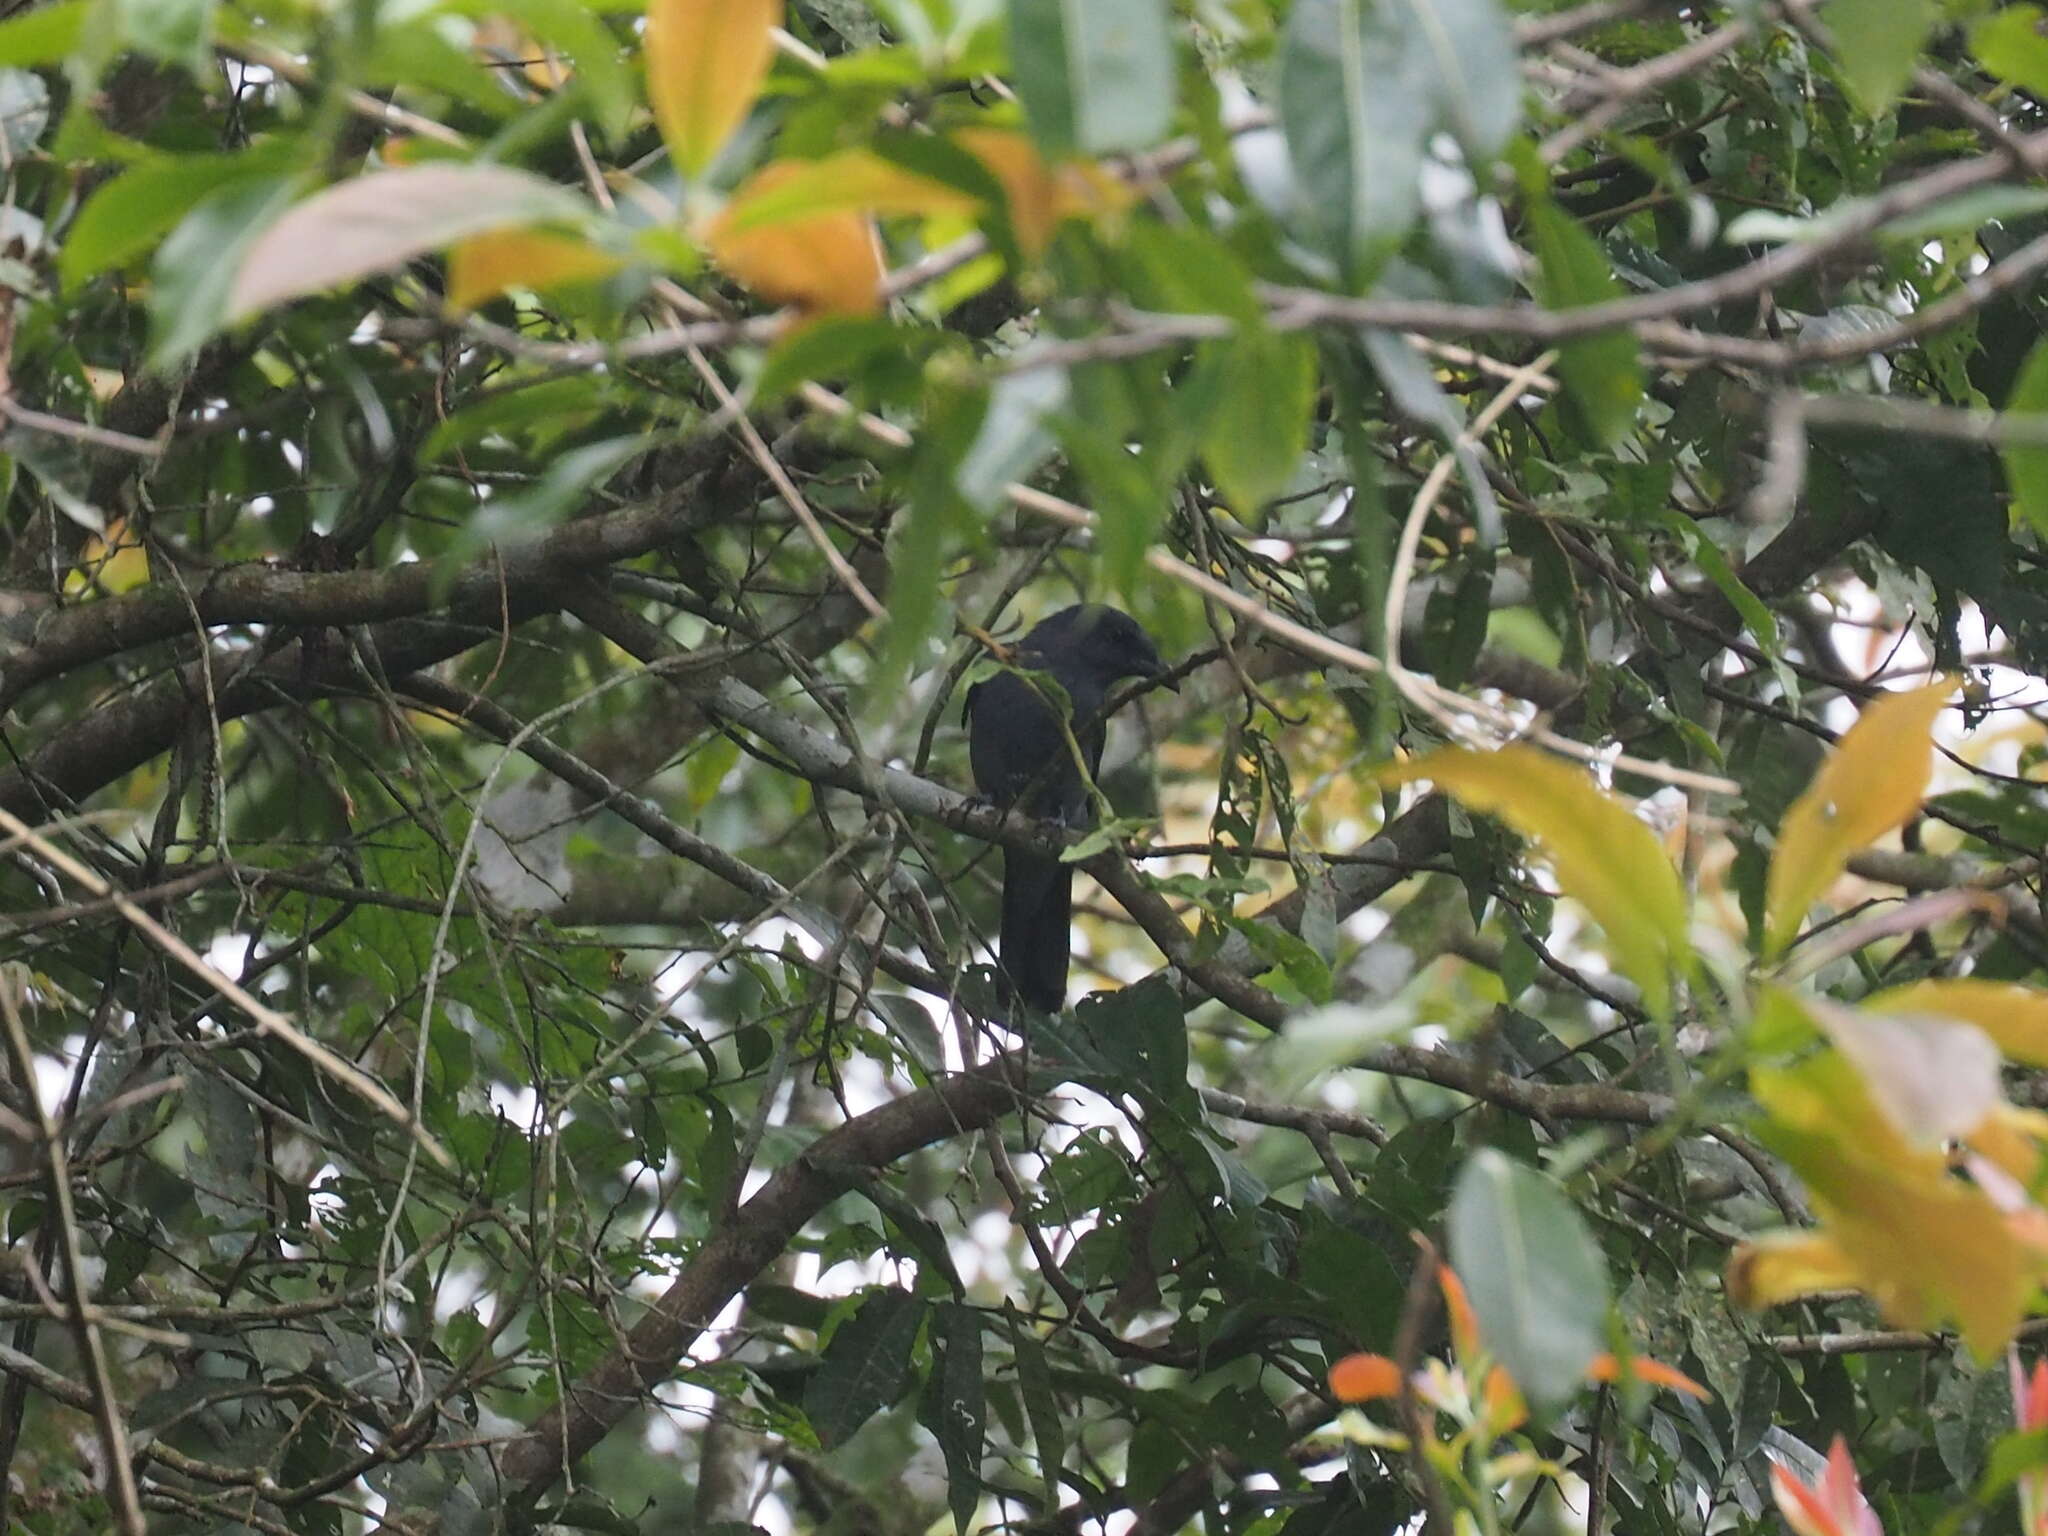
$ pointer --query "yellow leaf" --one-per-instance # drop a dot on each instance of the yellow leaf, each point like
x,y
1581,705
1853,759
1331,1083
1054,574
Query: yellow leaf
x,y
2013,1139
1935,1078
1784,1266
1927,1247
113,564
706,60
2015,1017
1604,857
1871,784
1040,196
484,266
825,264
855,180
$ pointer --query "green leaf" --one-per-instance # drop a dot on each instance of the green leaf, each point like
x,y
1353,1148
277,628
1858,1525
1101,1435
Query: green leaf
x,y
1877,42
1034,1378
196,264
832,347
1533,1272
1603,371
128,214
926,1241
1130,504
1259,429
1095,76
2009,42
548,500
1140,1031
177,31
938,518
2026,464
866,1366
46,35
1014,438
960,1415
1364,86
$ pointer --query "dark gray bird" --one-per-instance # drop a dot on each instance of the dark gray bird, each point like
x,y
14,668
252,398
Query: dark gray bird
x,y
1021,759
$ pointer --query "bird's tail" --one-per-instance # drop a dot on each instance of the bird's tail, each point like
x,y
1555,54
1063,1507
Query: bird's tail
x,y
1037,938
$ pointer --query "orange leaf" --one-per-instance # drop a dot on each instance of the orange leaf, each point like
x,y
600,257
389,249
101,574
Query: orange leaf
x,y
825,264
706,60
1361,1378
1464,1321
1871,784
1606,1368
1505,1408
1039,196
484,266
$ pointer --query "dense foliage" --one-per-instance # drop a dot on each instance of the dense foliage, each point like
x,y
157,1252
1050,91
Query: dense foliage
x,y
503,501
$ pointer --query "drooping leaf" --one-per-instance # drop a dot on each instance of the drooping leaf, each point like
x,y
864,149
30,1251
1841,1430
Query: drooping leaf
x,y
1095,76
1873,781
1364,84
1877,42
45,35
1259,428
961,1412
1605,858
127,215
1533,1273
1603,371
378,222
2009,42
1014,438
2026,464
196,266
706,60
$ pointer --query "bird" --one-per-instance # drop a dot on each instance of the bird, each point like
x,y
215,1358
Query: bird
x,y
1021,759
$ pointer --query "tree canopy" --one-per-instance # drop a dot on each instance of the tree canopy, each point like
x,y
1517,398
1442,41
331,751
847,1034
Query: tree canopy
x,y
504,502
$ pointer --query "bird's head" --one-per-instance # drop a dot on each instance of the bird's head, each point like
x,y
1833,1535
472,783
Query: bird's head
x,y
1107,641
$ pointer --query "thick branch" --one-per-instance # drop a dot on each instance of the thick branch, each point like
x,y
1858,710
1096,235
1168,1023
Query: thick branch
x,y
739,1251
